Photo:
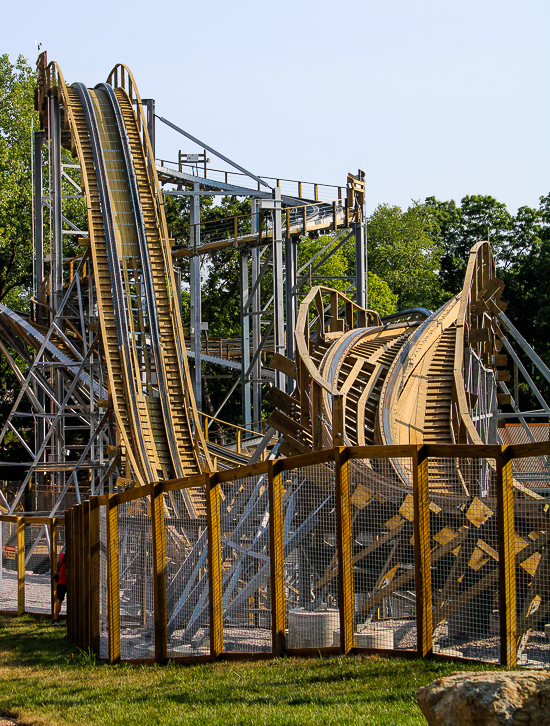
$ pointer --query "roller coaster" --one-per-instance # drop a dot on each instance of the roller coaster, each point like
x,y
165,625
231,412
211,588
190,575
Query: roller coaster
x,y
115,404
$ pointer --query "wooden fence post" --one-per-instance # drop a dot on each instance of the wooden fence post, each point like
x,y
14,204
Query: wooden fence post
x,y
277,556
344,548
159,573
422,564
214,565
20,566
53,560
506,558
113,592
94,574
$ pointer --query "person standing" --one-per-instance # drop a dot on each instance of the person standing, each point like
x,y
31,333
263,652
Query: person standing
x,y
61,590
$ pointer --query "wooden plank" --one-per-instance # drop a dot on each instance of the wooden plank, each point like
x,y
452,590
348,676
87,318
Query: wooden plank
x,y
422,561
345,551
113,590
159,574
337,420
284,365
277,569
20,566
506,559
214,565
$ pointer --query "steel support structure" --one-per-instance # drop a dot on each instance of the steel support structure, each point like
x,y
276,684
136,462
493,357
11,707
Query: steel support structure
x,y
195,295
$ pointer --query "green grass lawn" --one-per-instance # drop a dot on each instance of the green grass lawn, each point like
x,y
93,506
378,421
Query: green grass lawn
x,y
45,679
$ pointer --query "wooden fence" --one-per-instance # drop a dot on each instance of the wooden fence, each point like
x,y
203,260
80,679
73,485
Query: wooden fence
x,y
455,566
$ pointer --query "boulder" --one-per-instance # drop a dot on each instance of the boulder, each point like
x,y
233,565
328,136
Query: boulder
x,y
519,698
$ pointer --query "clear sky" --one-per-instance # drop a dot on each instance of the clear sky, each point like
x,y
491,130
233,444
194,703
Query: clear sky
x,y
428,97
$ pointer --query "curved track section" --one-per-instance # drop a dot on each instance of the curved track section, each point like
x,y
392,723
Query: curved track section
x,y
420,378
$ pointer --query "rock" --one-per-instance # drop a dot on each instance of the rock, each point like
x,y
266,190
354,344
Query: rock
x,y
487,699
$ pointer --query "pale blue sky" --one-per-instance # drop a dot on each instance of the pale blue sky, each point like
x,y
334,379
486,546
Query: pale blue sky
x,y
428,97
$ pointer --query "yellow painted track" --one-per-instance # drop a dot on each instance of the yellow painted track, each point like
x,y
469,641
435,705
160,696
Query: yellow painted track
x,y
137,303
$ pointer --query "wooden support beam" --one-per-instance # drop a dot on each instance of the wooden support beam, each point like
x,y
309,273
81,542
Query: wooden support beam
x,y
345,551
20,566
277,570
159,573
506,559
113,590
214,565
422,568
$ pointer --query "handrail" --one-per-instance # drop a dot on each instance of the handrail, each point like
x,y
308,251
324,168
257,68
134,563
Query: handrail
x,y
302,327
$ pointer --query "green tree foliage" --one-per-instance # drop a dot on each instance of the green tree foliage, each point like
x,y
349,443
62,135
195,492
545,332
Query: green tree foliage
x,y
458,227
381,298
404,252
17,83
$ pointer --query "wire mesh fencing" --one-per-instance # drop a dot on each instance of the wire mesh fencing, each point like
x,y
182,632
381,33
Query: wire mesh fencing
x,y
245,565
8,581
38,569
440,551
465,557
187,584
137,630
383,554
311,557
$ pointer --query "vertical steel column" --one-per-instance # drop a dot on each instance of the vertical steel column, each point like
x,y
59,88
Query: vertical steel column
x,y
278,287
40,425
291,268
244,257
256,318
195,301
39,137
56,198
56,264
361,262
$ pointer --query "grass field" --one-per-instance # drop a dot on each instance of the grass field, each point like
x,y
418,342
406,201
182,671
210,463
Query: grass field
x,y
45,679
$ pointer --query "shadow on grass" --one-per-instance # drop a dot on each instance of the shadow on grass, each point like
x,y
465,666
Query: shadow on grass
x,y
29,641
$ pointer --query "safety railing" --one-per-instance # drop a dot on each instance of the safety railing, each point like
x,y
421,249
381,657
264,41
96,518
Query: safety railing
x,y
325,552
256,228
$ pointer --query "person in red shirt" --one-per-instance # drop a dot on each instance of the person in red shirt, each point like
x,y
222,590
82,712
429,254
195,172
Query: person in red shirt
x,y
61,589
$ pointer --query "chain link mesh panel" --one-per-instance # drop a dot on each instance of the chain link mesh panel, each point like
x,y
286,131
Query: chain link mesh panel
x,y
137,628
464,557
246,590
37,569
8,582
383,554
532,546
311,557
187,590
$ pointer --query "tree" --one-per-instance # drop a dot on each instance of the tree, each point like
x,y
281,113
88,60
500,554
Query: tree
x,y
17,83
456,228
404,252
